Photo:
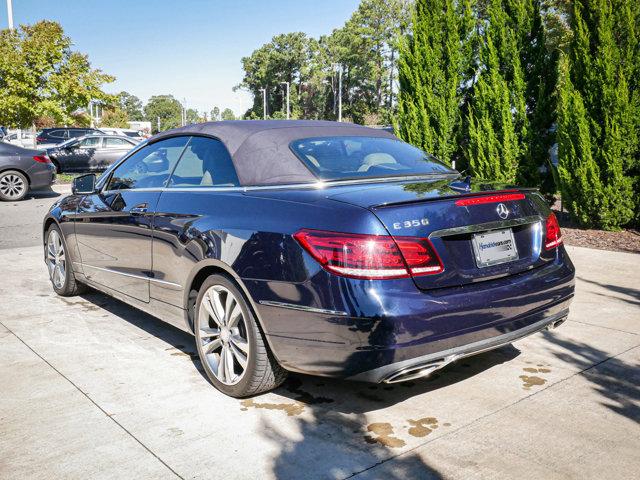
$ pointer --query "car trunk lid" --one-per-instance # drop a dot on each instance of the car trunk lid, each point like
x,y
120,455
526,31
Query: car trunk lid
x,y
480,233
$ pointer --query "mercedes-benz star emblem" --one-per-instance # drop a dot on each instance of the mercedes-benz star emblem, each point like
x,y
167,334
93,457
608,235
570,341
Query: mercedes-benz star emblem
x,y
502,210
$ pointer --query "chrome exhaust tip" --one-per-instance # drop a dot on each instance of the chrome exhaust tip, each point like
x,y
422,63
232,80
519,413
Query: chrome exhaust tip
x,y
557,323
420,370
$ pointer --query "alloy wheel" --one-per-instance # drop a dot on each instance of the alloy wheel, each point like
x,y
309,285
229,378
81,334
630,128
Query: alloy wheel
x,y
56,259
223,335
12,186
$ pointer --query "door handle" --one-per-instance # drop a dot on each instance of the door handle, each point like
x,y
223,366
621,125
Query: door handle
x,y
139,209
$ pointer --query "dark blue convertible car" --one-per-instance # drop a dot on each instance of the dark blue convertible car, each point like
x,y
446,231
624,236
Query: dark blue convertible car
x,y
316,247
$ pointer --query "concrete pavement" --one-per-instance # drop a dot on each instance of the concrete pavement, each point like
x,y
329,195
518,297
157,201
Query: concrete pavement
x,y
92,388
21,222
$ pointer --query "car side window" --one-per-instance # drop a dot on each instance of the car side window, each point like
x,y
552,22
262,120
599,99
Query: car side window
x,y
205,163
56,133
115,143
77,133
90,142
149,167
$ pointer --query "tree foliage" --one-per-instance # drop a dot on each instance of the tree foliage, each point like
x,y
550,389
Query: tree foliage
x,y
115,118
430,76
598,124
227,114
40,76
167,109
131,105
364,49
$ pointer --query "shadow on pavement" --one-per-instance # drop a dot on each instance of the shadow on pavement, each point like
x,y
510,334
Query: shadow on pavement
x,y
630,292
34,194
616,381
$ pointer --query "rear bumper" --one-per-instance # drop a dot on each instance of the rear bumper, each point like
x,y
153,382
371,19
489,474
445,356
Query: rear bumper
x,y
371,330
42,176
427,364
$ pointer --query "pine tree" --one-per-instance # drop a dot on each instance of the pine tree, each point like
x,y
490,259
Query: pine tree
x,y
430,75
595,162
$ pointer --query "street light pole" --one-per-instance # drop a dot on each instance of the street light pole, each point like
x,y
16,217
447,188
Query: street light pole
x,y
10,14
264,102
340,94
287,84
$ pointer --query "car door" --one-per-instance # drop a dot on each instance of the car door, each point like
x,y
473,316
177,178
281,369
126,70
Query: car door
x,y
113,226
201,185
113,148
78,157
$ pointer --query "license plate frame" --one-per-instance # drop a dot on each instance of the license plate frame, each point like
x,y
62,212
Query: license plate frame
x,y
487,255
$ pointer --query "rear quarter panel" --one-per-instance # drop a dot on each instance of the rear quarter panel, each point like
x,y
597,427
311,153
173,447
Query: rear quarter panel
x,y
249,234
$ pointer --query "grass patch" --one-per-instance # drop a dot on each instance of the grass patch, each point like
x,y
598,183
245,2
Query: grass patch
x,y
65,178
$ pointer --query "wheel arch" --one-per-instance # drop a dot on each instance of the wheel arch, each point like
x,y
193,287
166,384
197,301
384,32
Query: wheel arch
x,y
200,273
48,221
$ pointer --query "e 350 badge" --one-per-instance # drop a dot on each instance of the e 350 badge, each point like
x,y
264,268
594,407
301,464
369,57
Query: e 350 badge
x,y
419,222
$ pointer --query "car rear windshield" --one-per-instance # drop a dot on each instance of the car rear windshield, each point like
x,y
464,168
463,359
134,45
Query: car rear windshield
x,y
343,158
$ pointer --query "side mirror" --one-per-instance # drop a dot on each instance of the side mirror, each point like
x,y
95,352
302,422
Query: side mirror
x,y
84,184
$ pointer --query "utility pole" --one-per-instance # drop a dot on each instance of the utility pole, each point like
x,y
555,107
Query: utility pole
x,y
264,102
10,14
287,84
158,123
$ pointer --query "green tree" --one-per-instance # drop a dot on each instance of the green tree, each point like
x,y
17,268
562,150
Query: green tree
x,y
115,118
227,114
193,116
430,76
496,121
599,80
280,60
364,49
131,105
40,76
167,109
215,114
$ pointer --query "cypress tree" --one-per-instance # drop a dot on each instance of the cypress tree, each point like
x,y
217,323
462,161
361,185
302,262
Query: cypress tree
x,y
496,120
429,73
597,158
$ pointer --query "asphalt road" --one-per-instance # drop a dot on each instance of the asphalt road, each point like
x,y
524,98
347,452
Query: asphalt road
x,y
21,222
92,388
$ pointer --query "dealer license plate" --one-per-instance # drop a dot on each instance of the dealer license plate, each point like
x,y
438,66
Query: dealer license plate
x,y
495,247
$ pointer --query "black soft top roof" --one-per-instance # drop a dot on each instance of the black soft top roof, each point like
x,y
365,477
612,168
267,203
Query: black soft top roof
x,y
260,148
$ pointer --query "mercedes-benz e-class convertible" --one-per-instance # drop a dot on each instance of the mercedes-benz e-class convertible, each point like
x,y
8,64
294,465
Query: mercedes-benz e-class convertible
x,y
317,247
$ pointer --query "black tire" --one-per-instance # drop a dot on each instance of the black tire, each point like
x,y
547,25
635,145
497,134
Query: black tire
x,y
262,373
70,287
14,186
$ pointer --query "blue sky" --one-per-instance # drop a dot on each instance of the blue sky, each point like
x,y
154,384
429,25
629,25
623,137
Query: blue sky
x,y
190,49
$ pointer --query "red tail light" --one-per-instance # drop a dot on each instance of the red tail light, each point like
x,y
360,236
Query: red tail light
x,y
502,197
552,233
40,139
42,159
370,256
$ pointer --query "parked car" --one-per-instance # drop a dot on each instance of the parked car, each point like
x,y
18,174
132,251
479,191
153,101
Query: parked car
x,y
22,170
124,132
24,139
315,247
49,137
91,153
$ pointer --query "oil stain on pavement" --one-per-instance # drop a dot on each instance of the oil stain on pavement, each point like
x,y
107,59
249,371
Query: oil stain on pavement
x,y
423,426
383,435
529,381
291,409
